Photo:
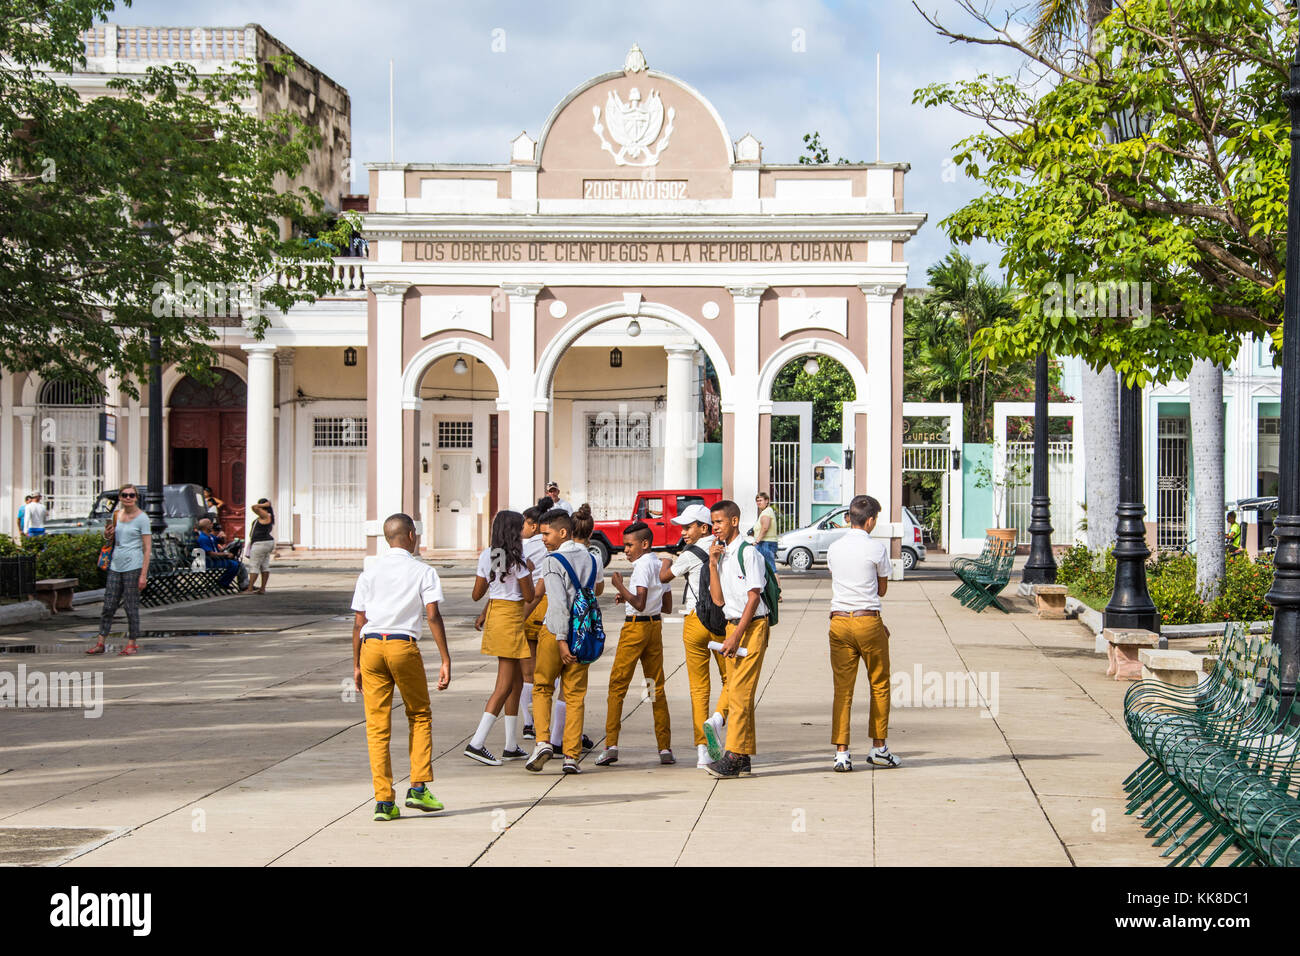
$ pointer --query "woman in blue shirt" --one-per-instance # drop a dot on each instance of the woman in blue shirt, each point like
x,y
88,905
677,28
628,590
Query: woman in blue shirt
x,y
128,572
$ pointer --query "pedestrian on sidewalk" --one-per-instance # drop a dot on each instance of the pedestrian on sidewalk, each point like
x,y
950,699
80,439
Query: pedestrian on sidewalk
x,y
737,579
261,544
22,515
764,530
390,599
641,640
128,531
859,566
534,612
555,659
34,517
506,578
697,531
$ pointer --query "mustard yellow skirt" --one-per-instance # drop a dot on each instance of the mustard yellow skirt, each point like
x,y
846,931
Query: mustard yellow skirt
x,y
533,623
503,631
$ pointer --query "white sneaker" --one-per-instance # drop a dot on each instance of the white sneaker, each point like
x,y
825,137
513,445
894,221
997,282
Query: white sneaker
x,y
843,762
703,759
607,757
881,757
715,735
541,753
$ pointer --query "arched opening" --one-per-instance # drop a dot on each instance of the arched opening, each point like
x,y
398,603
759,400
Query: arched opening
x,y
206,441
635,405
458,461
71,458
806,448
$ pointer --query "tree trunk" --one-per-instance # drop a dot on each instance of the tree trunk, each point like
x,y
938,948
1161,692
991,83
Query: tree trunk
x,y
1101,447
1205,390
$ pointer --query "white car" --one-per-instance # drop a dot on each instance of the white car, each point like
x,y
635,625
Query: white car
x,y
800,548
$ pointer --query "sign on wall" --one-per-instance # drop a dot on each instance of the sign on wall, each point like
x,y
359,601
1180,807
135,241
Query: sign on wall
x,y
826,482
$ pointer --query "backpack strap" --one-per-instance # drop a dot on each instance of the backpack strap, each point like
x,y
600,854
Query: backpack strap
x,y
577,586
592,583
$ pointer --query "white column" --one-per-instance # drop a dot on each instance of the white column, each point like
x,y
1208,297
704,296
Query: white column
x,y
877,457
386,430
523,337
259,453
744,398
680,449
284,459
26,422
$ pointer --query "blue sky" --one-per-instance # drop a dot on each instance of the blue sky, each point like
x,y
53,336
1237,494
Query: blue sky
x,y
459,101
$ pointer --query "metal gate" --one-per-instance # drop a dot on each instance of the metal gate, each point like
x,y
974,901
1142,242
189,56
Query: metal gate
x,y
1060,488
784,482
71,454
933,459
1172,486
620,461
338,479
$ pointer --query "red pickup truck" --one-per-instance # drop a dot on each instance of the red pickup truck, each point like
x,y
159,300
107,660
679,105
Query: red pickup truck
x,y
657,509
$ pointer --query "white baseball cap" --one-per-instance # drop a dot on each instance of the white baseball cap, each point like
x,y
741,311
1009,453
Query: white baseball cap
x,y
694,513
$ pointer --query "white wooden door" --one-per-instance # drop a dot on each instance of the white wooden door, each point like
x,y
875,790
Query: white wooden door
x,y
338,498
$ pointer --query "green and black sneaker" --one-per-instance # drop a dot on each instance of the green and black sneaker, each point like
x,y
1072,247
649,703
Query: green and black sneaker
x,y
386,811
422,799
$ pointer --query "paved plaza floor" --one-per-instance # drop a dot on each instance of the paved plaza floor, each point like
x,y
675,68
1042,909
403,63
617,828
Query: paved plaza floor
x,y
243,746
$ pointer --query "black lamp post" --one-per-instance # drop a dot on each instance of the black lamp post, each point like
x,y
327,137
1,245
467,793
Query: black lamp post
x,y
1130,603
1285,593
1040,568
153,496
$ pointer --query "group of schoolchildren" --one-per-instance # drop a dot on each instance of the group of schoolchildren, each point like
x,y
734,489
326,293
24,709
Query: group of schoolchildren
x,y
543,625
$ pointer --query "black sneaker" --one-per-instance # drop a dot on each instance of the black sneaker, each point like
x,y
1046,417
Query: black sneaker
x,y
745,769
517,754
729,765
587,743
482,755
529,732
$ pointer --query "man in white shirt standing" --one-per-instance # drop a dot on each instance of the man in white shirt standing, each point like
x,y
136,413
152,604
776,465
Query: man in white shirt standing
x,y
393,599
737,579
859,566
34,517
553,492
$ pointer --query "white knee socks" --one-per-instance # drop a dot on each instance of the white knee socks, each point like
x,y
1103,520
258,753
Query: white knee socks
x,y
526,704
484,725
512,733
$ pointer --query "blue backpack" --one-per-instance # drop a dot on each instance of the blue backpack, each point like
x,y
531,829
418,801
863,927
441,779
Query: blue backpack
x,y
586,629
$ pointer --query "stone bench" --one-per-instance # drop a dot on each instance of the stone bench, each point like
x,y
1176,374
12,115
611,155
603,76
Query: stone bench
x,y
56,593
1123,646
1050,601
1180,668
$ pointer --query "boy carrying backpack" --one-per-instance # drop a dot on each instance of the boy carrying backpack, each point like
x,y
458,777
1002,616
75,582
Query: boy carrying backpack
x,y
571,638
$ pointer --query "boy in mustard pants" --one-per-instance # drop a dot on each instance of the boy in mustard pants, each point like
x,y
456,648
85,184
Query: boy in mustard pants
x,y
392,601
641,639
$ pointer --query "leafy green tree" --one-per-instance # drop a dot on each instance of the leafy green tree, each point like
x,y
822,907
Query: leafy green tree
x,y
144,211
1142,253
828,390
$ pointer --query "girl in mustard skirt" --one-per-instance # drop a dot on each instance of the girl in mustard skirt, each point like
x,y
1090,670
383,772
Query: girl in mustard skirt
x,y
506,578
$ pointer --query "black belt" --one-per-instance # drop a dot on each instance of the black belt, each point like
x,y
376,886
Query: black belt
x,y
756,617
644,617
386,637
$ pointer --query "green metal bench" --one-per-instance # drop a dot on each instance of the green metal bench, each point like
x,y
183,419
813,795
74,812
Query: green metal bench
x,y
983,578
174,578
1221,760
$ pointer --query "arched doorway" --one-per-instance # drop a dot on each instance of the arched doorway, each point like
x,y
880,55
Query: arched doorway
x,y
71,455
207,442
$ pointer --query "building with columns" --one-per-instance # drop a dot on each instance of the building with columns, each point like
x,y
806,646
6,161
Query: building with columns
x,y
609,308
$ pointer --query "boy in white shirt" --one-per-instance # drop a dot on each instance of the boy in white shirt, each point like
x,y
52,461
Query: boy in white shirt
x,y
391,601
697,530
859,566
641,639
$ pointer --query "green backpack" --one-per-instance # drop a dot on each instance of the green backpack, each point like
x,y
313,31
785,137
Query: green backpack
x,y
771,587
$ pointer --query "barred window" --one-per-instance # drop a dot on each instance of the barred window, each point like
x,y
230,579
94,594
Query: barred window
x,y
455,434
343,432
610,430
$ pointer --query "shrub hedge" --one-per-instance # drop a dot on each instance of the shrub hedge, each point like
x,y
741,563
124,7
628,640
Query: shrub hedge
x,y
61,556
1171,580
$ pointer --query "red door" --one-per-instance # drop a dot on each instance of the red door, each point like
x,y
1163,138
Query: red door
x,y
218,435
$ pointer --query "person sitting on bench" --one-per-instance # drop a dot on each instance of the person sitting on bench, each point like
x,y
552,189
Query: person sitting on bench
x,y
218,558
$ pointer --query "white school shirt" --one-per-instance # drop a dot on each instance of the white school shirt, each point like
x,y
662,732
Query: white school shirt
x,y
737,582
501,589
688,565
856,561
645,574
393,592
535,551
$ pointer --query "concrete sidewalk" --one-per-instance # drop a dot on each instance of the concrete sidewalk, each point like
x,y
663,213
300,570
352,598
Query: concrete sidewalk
x,y
248,748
